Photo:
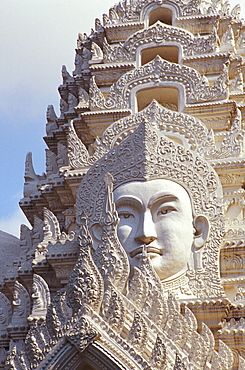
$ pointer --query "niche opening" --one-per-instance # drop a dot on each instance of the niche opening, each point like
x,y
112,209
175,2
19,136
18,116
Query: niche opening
x,y
167,52
165,95
163,15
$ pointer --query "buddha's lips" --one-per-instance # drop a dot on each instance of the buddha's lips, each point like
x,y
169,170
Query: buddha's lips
x,y
148,249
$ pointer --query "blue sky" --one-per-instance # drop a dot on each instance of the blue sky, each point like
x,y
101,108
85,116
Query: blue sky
x,y
37,37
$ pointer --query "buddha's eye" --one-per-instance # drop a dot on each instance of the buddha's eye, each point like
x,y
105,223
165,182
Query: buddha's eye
x,y
125,215
165,210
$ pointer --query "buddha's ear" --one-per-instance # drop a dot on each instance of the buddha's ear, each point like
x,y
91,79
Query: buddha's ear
x,y
202,227
96,233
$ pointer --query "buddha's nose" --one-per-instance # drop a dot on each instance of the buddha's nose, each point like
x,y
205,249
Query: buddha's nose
x,y
146,232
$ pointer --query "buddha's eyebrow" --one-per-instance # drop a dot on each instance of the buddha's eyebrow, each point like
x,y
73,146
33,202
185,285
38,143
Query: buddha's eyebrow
x,y
164,197
128,200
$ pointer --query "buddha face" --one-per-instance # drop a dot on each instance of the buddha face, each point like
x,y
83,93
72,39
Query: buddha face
x,y
157,214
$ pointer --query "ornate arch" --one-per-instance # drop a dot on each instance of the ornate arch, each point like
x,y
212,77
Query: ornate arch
x,y
156,34
159,72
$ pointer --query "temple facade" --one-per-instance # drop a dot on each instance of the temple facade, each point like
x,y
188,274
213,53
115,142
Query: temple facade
x,y
136,255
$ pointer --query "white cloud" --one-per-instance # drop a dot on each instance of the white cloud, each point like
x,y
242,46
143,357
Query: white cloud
x,y
11,224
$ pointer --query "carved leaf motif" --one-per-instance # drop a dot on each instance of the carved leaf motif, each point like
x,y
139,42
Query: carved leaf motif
x,y
78,154
227,355
173,303
110,257
96,51
85,286
12,362
113,309
138,332
138,288
25,239
159,354
35,353
217,362
179,365
178,329
51,225
231,146
72,102
191,323
155,306
198,351
241,363
51,125
54,323
31,178
63,108
209,339
66,75
62,158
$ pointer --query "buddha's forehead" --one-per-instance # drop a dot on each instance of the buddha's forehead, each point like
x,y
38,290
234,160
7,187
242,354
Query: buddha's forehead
x,y
149,191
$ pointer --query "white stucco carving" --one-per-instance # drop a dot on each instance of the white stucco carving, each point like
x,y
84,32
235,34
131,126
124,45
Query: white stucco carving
x,y
135,255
